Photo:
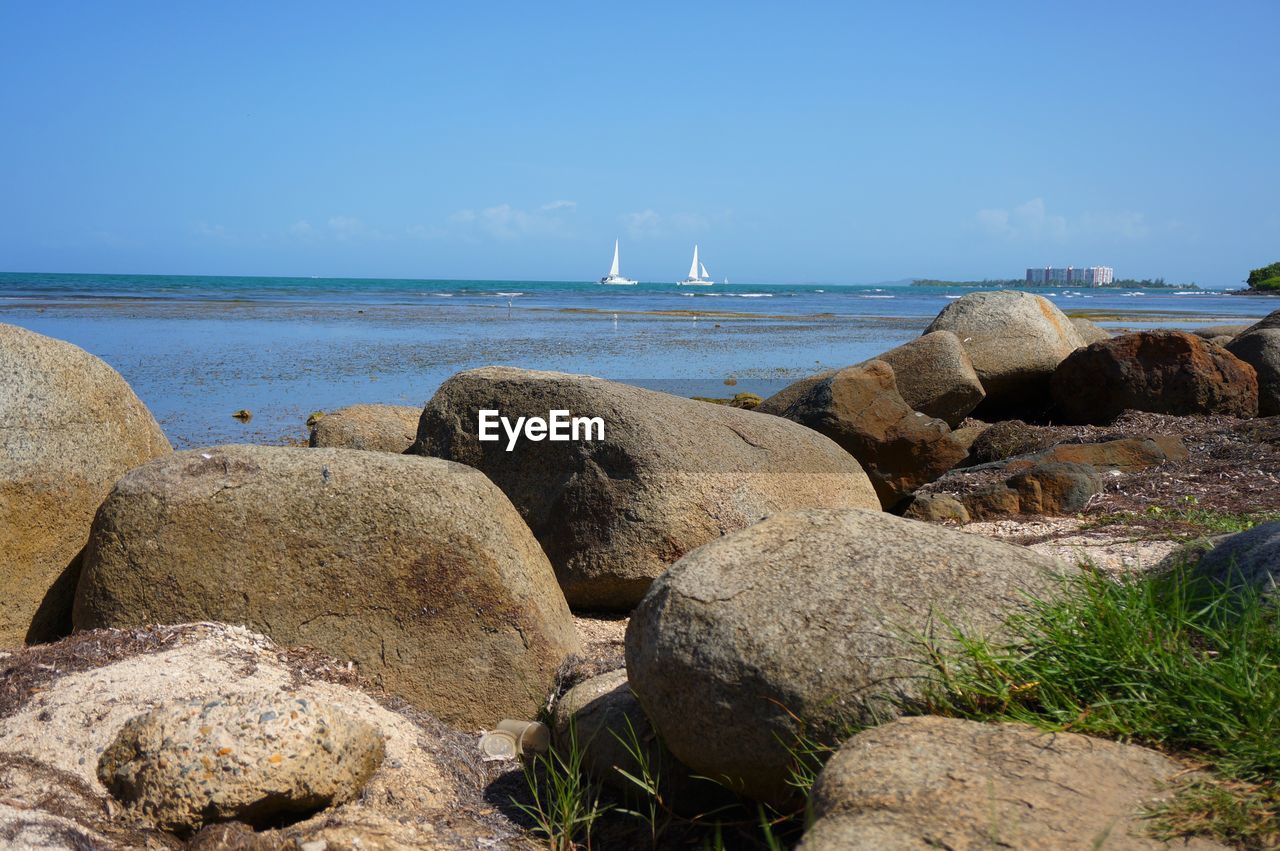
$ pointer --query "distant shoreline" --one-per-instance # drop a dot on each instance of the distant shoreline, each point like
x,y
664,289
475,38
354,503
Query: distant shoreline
x,y
1018,284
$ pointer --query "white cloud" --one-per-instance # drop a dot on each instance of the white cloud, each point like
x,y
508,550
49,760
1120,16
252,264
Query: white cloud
x,y
1032,222
642,224
208,231
649,223
506,222
302,228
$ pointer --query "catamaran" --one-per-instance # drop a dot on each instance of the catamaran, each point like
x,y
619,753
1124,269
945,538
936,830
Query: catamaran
x,y
695,279
613,279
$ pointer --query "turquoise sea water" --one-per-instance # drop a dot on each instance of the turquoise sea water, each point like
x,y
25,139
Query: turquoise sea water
x,y
196,349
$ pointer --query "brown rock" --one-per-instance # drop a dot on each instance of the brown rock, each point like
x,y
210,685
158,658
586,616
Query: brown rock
x,y
994,501
1164,372
669,475
935,376
860,409
381,428
936,508
1128,455
949,783
1055,488
418,570
69,427
778,403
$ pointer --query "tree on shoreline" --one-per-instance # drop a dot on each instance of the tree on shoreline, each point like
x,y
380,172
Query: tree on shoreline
x,y
1266,278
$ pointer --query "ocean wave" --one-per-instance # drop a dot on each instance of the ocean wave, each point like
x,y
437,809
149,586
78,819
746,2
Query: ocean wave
x,y
508,295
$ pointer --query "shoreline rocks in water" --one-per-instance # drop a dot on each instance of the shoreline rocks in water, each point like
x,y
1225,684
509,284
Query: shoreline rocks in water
x,y
777,605
71,427
670,475
377,428
1015,341
417,569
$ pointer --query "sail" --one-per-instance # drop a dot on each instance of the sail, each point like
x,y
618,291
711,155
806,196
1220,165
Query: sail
x,y
704,273
693,268
613,270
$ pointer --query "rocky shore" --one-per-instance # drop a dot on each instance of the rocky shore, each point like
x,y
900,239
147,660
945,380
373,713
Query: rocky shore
x,y
1009,584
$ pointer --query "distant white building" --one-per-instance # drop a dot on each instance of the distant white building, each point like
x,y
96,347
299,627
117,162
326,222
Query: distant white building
x,y
1089,276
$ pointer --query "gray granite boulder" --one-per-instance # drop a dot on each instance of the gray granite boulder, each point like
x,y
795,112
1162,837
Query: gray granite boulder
x,y
1015,341
804,622
417,570
1259,346
670,474
1246,559
380,428
950,783
1088,331
69,427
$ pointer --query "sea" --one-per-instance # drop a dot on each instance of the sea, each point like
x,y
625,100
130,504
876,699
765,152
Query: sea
x,y
198,349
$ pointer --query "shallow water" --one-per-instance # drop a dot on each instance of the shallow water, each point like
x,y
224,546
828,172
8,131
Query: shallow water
x,y
197,349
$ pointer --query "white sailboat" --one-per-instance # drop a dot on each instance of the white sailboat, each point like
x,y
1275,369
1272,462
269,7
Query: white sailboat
x,y
613,279
695,279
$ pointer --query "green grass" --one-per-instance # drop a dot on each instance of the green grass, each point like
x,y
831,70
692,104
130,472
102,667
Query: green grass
x,y
1169,661
564,803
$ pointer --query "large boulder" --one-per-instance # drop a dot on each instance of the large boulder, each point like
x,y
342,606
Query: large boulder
x,y
859,407
807,622
255,758
1048,488
380,428
949,783
1088,331
1249,559
1259,346
935,376
1164,372
1015,341
65,704
418,570
669,475
69,427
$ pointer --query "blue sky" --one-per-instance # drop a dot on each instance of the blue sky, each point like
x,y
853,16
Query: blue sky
x,y
835,142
